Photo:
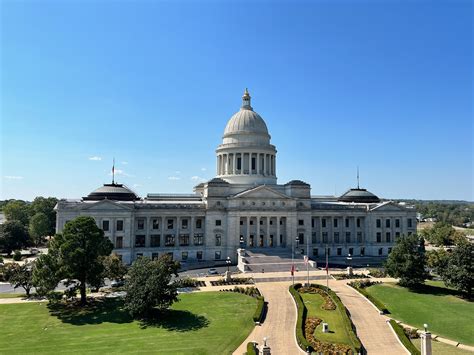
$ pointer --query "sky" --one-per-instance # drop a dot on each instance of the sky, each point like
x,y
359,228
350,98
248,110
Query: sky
x,y
385,86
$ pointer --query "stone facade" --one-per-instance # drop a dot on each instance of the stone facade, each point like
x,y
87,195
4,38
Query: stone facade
x,y
242,207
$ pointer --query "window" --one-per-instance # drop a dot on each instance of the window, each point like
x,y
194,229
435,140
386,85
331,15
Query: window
x,y
184,224
387,223
336,237
323,223
379,223
358,222
397,235
198,223
199,255
312,223
184,255
261,222
271,222
141,223
154,256
315,251
218,240
155,223
397,223
217,255
251,223
253,164
218,222
362,251
359,237
388,237
281,222
410,223
347,222
301,238
105,226
313,238
184,240
155,240
379,237
348,237
335,222
120,225
380,251
301,222
339,251
169,240
325,237
239,163
139,241
170,224
260,241
241,222
198,239
119,242
389,250
281,239
351,251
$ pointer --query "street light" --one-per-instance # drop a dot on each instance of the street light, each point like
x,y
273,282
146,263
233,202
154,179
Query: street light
x,y
349,259
228,262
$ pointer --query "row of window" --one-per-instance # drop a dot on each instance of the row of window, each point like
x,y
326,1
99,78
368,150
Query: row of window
x,y
169,240
184,255
170,223
261,222
351,251
397,223
335,222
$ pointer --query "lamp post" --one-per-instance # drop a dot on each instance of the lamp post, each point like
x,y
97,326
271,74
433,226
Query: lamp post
x,y
293,260
349,263
228,262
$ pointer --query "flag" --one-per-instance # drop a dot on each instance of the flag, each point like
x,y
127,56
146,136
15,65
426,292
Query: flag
x,y
292,269
306,259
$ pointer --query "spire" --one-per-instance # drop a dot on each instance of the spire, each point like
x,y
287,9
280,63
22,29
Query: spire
x,y
113,173
358,177
246,100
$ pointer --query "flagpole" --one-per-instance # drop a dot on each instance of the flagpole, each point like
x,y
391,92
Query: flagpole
x,y
307,259
327,268
293,261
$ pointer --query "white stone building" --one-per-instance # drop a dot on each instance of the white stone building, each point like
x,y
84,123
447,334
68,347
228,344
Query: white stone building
x,y
243,206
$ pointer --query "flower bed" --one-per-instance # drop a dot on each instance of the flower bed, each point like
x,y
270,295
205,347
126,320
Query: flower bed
x,y
189,282
345,276
233,281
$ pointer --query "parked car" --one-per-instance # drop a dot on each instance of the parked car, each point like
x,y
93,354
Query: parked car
x,y
212,271
117,283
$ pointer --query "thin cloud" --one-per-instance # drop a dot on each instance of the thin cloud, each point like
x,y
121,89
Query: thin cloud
x,y
120,172
13,177
124,162
197,178
95,158
203,169
174,178
136,185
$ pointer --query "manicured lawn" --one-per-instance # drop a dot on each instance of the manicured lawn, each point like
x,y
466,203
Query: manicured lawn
x,y
445,313
201,323
441,348
337,334
12,295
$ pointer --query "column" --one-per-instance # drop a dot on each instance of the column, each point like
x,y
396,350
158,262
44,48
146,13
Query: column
x,y
248,231
274,166
250,163
267,237
178,229
191,231
147,234
234,166
278,231
258,163
257,237
162,231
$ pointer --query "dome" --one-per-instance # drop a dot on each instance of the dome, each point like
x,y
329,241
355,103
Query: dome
x,y
359,195
113,191
246,121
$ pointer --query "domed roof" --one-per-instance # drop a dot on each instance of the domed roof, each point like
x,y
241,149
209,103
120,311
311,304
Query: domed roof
x,y
359,195
118,192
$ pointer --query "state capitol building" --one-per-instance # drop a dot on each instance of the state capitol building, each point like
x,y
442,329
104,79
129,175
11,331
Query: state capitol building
x,y
242,207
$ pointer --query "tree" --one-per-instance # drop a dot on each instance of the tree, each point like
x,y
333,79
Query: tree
x,y
39,227
17,210
13,235
437,260
442,234
20,276
407,261
46,206
47,272
114,268
149,286
79,252
458,271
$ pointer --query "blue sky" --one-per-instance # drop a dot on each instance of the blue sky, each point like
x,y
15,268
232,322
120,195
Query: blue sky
x,y
383,85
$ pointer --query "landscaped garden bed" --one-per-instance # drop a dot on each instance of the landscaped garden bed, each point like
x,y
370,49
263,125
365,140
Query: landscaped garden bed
x,y
189,282
346,276
233,281
316,305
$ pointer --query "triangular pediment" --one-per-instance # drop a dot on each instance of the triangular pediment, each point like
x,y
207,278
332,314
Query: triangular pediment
x,y
389,206
106,205
262,192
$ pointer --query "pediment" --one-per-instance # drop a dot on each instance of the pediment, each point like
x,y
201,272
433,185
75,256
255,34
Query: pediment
x,y
262,192
389,206
105,205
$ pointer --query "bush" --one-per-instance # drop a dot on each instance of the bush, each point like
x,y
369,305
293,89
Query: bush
x,y
377,273
1,259
251,349
403,338
17,255
346,276
258,315
189,282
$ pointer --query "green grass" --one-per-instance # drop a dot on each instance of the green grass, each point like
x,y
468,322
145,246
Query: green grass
x,y
337,332
201,323
12,295
441,308
442,348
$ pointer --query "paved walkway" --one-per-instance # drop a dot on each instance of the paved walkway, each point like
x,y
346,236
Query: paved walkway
x,y
280,322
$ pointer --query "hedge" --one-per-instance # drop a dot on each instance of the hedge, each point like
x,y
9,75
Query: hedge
x,y
403,338
251,349
258,315
302,311
382,308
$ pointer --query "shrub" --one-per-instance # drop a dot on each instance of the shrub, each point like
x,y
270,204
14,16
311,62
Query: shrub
x,y
189,282
377,272
251,349
17,255
346,276
258,315
1,259
403,338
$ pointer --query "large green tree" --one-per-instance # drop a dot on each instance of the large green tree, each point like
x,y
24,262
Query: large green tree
x,y
79,252
45,205
17,210
442,234
20,276
13,235
407,261
149,286
458,270
39,228
114,267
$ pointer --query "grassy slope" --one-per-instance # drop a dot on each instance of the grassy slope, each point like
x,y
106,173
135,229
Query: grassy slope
x,y
446,314
338,334
441,348
201,323
12,295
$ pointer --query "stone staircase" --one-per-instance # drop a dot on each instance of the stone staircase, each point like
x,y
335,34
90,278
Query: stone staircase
x,y
271,260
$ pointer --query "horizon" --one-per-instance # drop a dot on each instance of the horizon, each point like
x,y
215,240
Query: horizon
x,y
383,87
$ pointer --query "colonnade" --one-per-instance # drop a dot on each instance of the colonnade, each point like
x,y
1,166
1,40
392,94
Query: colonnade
x,y
246,163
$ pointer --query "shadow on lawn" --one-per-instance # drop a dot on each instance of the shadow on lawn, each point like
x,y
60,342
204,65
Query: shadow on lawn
x,y
175,320
96,312
436,291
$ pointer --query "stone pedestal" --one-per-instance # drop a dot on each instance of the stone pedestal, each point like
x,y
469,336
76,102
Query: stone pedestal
x,y
227,276
325,328
426,343
350,271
